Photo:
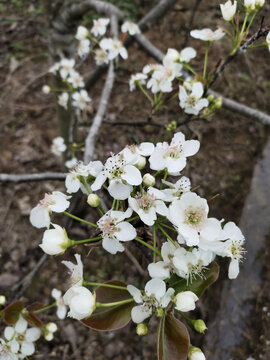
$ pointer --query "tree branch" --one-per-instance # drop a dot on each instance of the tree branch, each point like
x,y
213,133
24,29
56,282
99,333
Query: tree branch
x,y
32,177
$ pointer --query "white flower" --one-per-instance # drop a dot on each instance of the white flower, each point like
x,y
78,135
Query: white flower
x,y
63,99
73,183
155,296
101,57
83,47
46,89
176,190
54,68
208,34
138,78
114,230
66,65
100,26
80,301
162,269
250,5
232,247
130,27
148,204
8,351
163,76
58,146
189,215
76,270
173,156
171,56
71,163
75,79
192,101
50,329
151,68
187,54
114,47
122,174
55,202
228,10
212,235
185,301
259,3
81,33
268,40
61,308
55,241
80,99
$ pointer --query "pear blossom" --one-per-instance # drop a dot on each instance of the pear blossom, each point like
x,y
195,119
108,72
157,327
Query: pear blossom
x,y
63,100
130,27
114,230
81,33
228,10
232,247
185,301
73,183
155,296
250,5
66,65
212,235
83,47
114,47
55,202
122,175
173,156
138,78
21,339
101,57
61,307
58,146
147,204
162,269
192,101
130,152
55,241
268,40
187,54
80,99
151,68
189,215
80,301
162,77
176,190
171,56
75,79
71,163
76,270
207,34
46,89
54,68
100,26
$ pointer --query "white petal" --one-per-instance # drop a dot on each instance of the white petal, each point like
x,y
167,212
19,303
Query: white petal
x,y
56,294
156,287
72,183
197,90
135,293
146,148
132,175
61,312
119,191
140,313
32,334
27,348
233,269
100,180
61,202
39,217
161,208
159,270
167,298
148,217
191,147
112,246
21,325
9,332
126,232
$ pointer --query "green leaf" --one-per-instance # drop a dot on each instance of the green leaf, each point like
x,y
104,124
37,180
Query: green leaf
x,y
12,312
110,318
173,339
198,285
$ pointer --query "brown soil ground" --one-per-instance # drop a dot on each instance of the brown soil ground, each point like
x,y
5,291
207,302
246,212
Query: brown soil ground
x,y
230,146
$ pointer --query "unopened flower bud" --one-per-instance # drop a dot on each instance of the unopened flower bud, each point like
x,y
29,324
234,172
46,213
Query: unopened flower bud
x,y
149,180
93,200
172,126
199,325
2,299
46,89
218,103
55,241
210,98
195,354
51,327
140,164
185,301
159,312
141,329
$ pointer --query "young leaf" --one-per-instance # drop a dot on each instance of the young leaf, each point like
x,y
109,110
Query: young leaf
x,y
173,339
33,319
12,312
199,284
110,318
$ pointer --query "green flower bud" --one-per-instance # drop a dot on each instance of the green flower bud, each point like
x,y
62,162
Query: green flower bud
x,y
199,325
172,126
159,312
93,200
141,329
149,180
210,98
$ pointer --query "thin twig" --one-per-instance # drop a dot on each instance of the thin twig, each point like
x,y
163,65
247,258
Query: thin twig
x,y
191,20
32,177
134,261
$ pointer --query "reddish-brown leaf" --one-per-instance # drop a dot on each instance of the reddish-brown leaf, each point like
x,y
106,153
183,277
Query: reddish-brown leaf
x,y
12,312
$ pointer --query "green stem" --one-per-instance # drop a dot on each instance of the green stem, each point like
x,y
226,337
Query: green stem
x,y
250,23
133,218
157,173
45,308
165,234
145,93
79,219
83,181
77,242
164,178
168,227
113,204
186,317
100,209
89,283
155,243
187,66
99,305
243,29
117,205
149,246
206,59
